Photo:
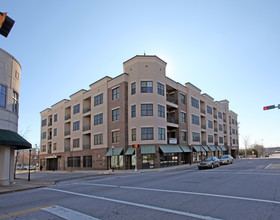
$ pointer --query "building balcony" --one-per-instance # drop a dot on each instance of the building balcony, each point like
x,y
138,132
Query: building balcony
x,y
225,132
67,117
86,146
216,143
172,141
49,151
215,116
203,126
216,129
49,124
225,120
86,127
49,137
202,111
85,110
172,120
67,133
66,149
203,142
171,99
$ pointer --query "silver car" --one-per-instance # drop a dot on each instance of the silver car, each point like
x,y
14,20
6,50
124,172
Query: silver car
x,y
210,162
226,159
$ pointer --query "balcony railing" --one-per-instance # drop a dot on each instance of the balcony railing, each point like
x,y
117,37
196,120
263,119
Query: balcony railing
x,y
203,126
86,127
49,151
67,133
85,110
49,137
50,124
86,146
172,120
202,111
225,132
215,116
67,117
66,149
225,120
171,99
216,129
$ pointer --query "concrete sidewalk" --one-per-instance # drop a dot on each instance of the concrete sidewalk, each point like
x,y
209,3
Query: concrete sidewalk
x,y
41,179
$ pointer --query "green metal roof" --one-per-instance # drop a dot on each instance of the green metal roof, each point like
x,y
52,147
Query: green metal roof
x,y
13,139
170,149
149,149
130,151
186,149
198,148
117,152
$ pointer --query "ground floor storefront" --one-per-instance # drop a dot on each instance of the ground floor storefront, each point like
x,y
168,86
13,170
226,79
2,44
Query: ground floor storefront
x,y
137,157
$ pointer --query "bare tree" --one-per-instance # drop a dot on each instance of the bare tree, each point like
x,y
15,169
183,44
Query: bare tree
x,y
246,140
23,134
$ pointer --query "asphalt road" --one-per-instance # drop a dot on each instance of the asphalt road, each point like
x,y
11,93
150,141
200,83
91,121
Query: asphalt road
x,y
247,189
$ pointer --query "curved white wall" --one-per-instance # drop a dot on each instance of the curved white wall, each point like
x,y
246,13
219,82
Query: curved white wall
x,y
10,71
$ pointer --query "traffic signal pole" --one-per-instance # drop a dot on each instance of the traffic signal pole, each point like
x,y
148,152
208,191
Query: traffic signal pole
x,y
271,107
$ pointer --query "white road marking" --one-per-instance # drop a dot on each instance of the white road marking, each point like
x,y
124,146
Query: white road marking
x,y
267,166
189,193
68,213
136,204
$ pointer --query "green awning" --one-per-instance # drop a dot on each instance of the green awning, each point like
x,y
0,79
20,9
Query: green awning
x,y
117,152
223,148
13,139
149,149
212,148
206,148
186,149
130,151
218,148
170,149
198,148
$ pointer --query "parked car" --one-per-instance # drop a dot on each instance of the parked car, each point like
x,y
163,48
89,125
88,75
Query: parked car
x,y
210,162
226,159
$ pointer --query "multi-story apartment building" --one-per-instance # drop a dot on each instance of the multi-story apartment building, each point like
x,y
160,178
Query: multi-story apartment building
x,y
139,117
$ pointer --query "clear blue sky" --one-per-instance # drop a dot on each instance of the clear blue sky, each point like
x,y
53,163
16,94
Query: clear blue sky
x,y
228,49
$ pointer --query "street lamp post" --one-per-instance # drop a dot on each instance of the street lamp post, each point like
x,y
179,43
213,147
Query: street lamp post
x,y
113,161
29,166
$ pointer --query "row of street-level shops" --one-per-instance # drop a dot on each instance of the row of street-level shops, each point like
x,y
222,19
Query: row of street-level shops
x,y
146,157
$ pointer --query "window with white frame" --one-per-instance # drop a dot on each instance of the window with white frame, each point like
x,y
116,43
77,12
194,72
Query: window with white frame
x,y
146,109
15,102
160,89
115,136
133,134
115,93
183,136
196,137
133,111
161,133
3,96
116,114
98,119
182,98
133,88
161,111
146,87
98,100
76,125
194,102
183,117
76,109
98,139
147,133
195,120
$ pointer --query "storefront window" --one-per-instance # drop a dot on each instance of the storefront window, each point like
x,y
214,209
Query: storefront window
x,y
167,160
148,161
117,162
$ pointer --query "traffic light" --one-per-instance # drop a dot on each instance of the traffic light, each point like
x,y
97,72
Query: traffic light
x,y
269,107
6,24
